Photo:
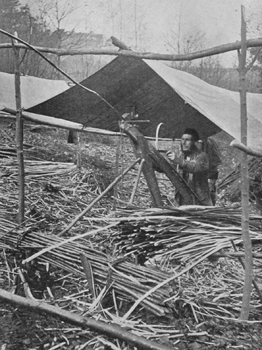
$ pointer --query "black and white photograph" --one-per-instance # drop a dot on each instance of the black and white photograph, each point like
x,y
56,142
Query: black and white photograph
x,y
130,174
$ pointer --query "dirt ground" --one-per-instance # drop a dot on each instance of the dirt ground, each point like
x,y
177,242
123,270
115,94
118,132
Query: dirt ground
x,y
23,330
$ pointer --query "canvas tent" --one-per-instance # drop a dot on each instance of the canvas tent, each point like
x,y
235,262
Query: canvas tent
x,y
125,83
33,90
159,94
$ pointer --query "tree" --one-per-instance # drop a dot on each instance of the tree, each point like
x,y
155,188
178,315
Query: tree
x,y
208,69
13,18
181,39
254,28
17,18
126,20
257,69
54,16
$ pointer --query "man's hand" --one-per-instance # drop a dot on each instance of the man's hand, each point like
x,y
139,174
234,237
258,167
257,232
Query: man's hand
x,y
171,155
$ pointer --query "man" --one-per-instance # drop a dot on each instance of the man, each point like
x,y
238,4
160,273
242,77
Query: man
x,y
193,165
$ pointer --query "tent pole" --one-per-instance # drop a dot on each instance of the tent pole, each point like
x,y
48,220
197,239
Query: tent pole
x,y
19,137
245,309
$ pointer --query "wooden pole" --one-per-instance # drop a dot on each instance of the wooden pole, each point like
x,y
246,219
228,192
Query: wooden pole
x,y
78,151
253,280
156,160
245,149
245,309
111,330
118,152
78,156
129,53
136,182
149,172
19,138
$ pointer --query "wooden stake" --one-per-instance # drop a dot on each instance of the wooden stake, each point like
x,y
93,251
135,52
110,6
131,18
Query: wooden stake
x,y
19,138
149,172
78,151
87,267
118,151
253,280
136,182
245,309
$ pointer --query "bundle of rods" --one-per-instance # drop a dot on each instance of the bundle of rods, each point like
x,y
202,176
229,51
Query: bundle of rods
x,y
35,168
182,234
129,280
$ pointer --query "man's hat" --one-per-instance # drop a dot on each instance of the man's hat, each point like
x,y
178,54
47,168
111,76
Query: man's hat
x,y
193,133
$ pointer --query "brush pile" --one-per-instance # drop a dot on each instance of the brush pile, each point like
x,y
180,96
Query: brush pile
x,y
229,186
177,294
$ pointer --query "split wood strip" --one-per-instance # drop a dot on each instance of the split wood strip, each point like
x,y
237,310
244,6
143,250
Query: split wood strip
x,y
168,280
63,242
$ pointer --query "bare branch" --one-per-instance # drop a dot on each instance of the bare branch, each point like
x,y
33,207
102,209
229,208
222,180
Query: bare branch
x,y
111,330
254,59
144,55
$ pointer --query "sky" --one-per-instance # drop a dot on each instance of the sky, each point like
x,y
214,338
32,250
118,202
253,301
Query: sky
x,y
219,20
